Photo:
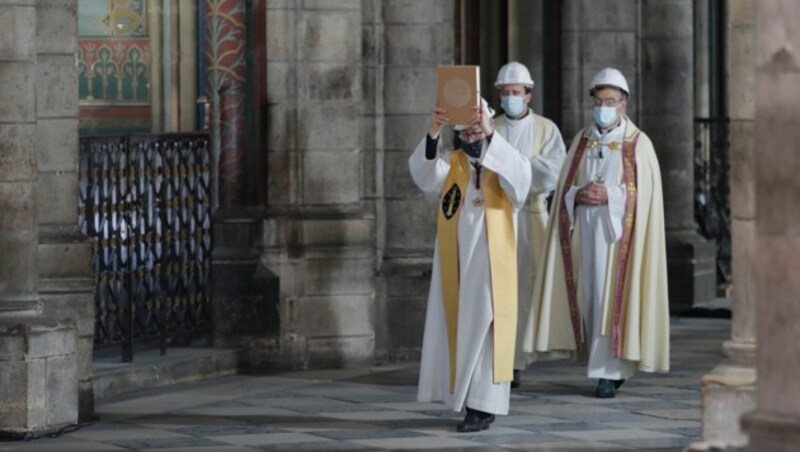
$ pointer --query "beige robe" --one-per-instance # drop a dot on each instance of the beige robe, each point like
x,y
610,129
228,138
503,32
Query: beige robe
x,y
644,314
539,141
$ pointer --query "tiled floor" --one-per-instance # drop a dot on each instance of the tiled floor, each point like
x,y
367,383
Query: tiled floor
x,y
375,409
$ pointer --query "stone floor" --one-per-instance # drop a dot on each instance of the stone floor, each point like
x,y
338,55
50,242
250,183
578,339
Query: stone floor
x,y
375,409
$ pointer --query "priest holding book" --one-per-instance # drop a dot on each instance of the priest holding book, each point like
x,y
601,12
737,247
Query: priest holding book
x,y
471,321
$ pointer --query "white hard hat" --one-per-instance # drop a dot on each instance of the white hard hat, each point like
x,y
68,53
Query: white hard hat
x,y
487,110
609,77
512,73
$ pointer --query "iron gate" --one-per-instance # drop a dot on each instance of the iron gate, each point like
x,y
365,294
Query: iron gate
x,y
145,200
712,205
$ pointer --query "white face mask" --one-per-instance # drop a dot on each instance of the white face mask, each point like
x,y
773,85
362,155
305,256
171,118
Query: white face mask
x,y
604,116
513,105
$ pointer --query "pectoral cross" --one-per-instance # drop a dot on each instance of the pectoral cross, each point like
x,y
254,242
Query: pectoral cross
x,y
477,201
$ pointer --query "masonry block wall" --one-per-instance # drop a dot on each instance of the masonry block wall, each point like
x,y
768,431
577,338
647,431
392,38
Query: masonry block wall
x,y
607,34
319,234
45,324
418,36
65,281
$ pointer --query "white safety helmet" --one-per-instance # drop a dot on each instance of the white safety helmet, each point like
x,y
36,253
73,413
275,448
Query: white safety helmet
x,y
609,77
512,73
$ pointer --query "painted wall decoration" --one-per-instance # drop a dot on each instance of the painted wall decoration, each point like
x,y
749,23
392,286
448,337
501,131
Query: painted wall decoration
x,y
112,18
225,40
113,67
114,71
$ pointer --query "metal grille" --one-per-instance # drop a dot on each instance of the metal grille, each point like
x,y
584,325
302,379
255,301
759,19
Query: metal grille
x,y
145,200
712,191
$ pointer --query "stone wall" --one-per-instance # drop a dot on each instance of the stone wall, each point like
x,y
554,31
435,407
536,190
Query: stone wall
x,y
347,236
66,284
605,34
38,379
775,423
45,294
318,237
730,389
418,36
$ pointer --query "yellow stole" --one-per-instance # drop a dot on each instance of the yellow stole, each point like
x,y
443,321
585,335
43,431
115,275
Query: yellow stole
x,y
501,239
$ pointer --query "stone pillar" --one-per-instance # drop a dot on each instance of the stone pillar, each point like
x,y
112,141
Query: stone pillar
x,y
667,117
775,424
225,46
730,389
702,107
318,236
526,43
154,18
591,39
18,222
38,378
373,137
418,36
66,285
244,307
187,59
38,368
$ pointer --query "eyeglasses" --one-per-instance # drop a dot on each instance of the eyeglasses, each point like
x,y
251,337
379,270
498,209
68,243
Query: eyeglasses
x,y
610,102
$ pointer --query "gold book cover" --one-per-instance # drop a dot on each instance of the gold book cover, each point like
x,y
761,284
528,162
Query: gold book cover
x,y
458,91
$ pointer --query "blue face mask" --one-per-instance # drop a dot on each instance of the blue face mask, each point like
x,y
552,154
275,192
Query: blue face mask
x,y
604,116
514,106
473,149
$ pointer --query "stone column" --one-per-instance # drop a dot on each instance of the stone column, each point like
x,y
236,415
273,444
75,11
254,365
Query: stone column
x,y
526,43
374,156
19,293
775,424
154,17
225,46
418,36
66,285
667,117
38,369
244,306
591,39
701,60
318,234
187,58
730,389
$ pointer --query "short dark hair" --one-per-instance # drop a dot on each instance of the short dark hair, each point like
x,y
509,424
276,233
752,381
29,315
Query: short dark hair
x,y
599,87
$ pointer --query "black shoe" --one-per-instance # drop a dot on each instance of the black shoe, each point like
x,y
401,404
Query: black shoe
x,y
475,421
606,388
517,379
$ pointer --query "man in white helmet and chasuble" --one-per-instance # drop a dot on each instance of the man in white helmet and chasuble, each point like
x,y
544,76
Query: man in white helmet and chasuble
x,y
603,288
539,141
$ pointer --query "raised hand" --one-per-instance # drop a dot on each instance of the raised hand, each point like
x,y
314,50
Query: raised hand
x,y
438,120
481,119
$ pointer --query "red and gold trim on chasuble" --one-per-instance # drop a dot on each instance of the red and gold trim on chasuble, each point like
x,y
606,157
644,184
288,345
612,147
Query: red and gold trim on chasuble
x,y
564,234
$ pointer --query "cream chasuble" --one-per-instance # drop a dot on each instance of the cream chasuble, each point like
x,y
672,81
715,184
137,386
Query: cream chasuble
x,y
539,141
634,304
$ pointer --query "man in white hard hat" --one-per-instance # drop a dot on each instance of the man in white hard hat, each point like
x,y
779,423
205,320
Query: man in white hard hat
x,y
539,141
471,320
604,285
